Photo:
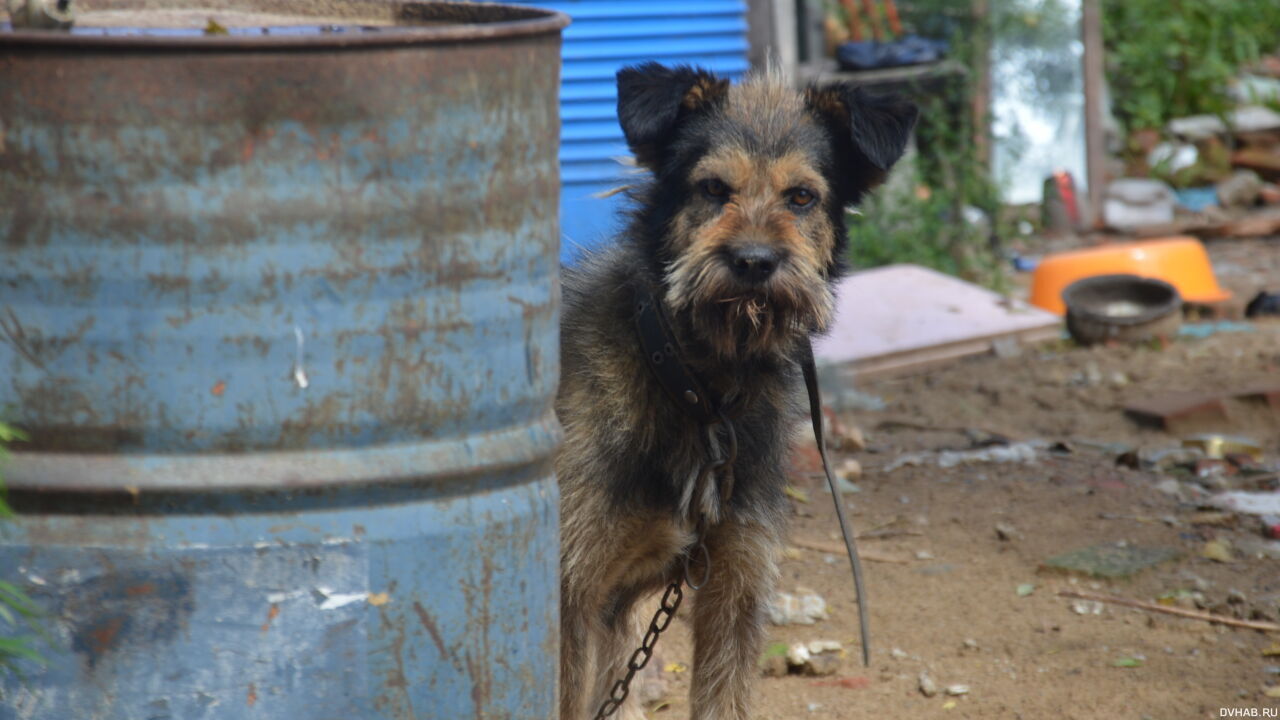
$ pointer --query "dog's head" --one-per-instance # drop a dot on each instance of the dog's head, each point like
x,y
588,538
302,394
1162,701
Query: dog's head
x,y
745,215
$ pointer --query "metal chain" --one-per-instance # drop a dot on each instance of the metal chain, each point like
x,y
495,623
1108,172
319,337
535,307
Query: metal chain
x,y
661,619
674,594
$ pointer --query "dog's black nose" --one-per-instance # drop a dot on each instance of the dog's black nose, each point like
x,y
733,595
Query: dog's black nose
x,y
754,263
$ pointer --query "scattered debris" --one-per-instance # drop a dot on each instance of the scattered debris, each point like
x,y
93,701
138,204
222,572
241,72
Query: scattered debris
x,y
957,690
1111,560
796,493
1174,408
803,660
1007,532
850,469
847,438
773,663
798,654
1023,452
1264,303
1240,190
800,609
1134,202
1251,503
214,28
1271,526
928,687
1128,662
1086,607
841,550
41,14
1167,610
851,682
1245,119
1025,589
1218,551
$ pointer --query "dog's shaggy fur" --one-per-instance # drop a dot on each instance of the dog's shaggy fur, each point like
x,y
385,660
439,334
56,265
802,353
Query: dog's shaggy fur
x,y
740,233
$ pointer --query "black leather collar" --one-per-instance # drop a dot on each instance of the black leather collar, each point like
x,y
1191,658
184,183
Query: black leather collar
x,y
662,353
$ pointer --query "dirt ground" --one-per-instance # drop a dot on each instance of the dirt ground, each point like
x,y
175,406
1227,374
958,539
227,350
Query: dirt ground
x,y
944,588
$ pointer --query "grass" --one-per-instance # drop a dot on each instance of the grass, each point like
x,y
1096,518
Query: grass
x,y
20,628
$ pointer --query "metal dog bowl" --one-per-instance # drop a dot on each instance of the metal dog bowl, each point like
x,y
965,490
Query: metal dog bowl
x,y
1123,308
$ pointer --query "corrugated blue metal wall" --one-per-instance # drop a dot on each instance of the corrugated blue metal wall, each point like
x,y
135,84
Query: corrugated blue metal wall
x,y
604,36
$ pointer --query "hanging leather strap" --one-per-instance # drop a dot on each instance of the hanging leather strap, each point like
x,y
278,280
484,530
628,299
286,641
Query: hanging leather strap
x,y
815,409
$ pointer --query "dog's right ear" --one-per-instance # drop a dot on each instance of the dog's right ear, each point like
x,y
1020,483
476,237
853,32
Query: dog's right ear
x,y
653,99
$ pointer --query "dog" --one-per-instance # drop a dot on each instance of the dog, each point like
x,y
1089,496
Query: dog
x,y
738,234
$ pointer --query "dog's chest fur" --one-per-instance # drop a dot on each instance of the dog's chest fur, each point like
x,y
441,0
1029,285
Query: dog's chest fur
x,y
650,452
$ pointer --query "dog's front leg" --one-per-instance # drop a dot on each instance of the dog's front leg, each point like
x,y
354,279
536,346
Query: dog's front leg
x,y
576,646
728,618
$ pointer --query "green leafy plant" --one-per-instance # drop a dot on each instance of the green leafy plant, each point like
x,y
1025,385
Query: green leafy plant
x,y
943,210
20,629
1173,58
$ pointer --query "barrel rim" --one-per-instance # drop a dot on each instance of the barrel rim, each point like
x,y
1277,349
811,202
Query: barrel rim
x,y
526,22
286,470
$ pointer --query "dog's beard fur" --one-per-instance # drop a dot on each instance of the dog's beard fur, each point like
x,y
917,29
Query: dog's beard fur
x,y
737,321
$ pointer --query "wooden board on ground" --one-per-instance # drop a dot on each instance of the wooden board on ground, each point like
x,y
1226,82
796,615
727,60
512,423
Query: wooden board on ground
x,y
905,318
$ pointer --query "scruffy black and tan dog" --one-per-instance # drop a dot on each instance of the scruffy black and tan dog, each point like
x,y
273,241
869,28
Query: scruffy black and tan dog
x,y
739,234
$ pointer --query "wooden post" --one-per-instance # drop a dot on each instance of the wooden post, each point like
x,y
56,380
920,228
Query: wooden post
x,y
772,34
981,80
1094,133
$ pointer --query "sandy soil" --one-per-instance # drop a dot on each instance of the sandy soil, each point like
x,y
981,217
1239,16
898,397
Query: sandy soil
x,y
944,594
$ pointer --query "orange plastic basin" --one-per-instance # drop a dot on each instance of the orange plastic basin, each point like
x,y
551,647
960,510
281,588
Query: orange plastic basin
x,y
1179,261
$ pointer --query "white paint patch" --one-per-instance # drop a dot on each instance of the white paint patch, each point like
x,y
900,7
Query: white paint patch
x,y
299,373
279,597
337,600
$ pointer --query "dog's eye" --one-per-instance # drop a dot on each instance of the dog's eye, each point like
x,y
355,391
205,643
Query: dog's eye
x,y
801,198
715,189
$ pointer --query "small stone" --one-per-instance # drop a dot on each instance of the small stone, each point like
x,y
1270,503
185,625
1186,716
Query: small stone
x,y
850,469
1272,692
817,647
957,689
798,654
851,439
1235,597
799,609
1007,532
924,555
1086,607
814,707
970,644
1240,190
821,665
1218,551
928,687
898,654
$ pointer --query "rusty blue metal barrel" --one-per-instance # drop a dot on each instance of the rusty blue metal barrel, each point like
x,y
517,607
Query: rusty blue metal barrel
x,y
278,311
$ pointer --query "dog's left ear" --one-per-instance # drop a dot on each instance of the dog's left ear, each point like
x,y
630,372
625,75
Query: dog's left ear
x,y
872,129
